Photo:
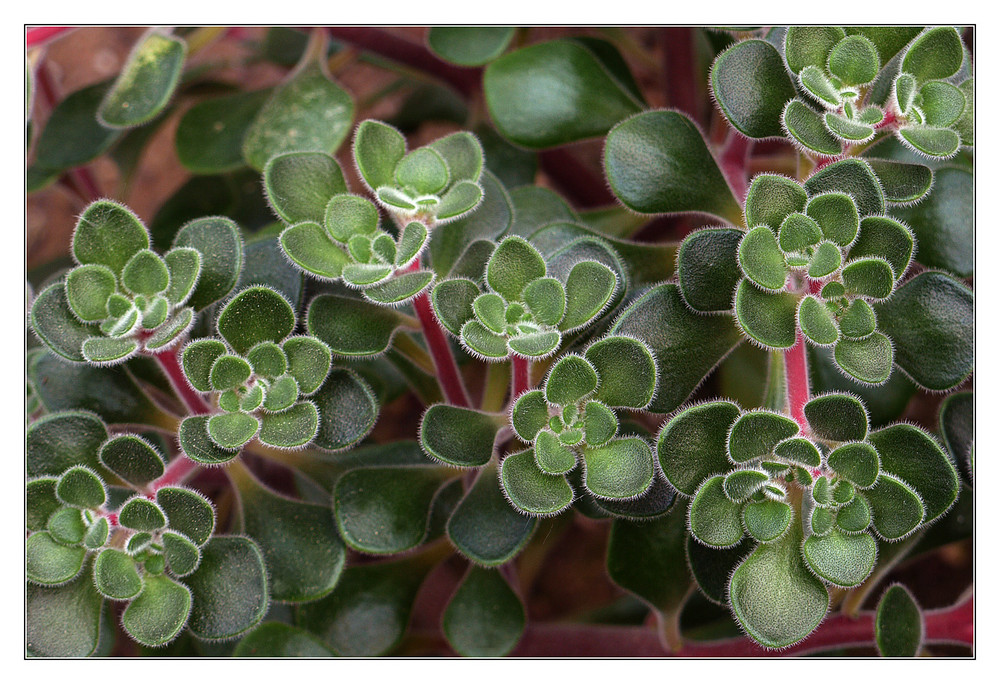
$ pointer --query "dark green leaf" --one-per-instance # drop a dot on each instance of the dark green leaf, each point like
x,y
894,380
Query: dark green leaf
x,y
767,520
767,318
751,87
229,588
302,551
884,238
527,93
531,490
649,159
774,597
58,441
956,421
489,221
899,624
293,427
64,621
944,223
930,320
209,137
853,177
278,640
146,83
458,436
896,508
810,45
218,241
621,469
687,346
837,417
46,561
914,457
755,434
485,527
484,617
133,459
936,53
309,112
116,575
187,512
707,268
352,327
714,519
807,128
868,360
72,136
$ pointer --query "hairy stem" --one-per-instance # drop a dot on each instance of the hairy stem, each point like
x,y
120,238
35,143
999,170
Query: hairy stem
x,y
797,381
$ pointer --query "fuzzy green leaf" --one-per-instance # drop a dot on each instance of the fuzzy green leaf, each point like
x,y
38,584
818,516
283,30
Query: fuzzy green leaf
x,y
232,430
936,53
868,360
54,322
302,551
810,45
899,624
255,315
528,91
210,135
67,526
141,514
87,290
133,459
599,424
817,322
942,103
309,247
589,287
837,417
816,83
571,379
218,241
146,82
159,613
377,148
621,469
751,87
806,126
688,344
47,561
825,260
844,560
896,508
649,158
708,270
485,617
198,446
514,264
837,216
546,299
478,338
484,527
352,327
228,372
469,45
858,320
529,414
930,140
755,434
309,112
299,185
769,319
771,198
198,359
531,345
855,516
105,350
774,597
627,370
761,259
913,456
798,232
853,177
531,490
116,575
64,621
229,589
108,234
347,408
767,520
458,436
384,510
80,487
452,300
290,428
854,60
944,223
40,502
551,455
188,512
59,441
714,520
278,640
739,485
184,266
930,321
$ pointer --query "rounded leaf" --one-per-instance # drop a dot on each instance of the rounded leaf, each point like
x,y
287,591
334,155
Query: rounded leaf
x,y
116,575
844,560
714,520
530,490
692,445
751,87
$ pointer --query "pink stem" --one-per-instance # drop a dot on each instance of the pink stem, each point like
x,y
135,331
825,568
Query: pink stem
x,y
437,343
42,34
952,625
797,381
521,375
444,360
171,367
178,471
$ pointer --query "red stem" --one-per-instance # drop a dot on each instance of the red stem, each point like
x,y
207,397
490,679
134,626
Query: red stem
x,y
797,381
521,375
437,343
42,34
171,367
444,361
681,84
952,625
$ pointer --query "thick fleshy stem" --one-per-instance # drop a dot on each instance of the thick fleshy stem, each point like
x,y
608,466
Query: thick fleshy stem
x,y
42,34
797,380
521,374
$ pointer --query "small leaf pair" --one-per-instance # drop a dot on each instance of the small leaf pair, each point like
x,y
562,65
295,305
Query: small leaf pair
x,y
439,181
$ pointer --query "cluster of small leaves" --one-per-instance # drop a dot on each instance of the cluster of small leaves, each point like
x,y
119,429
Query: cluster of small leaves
x,y
90,541
524,311
798,237
259,373
332,234
812,500
828,88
